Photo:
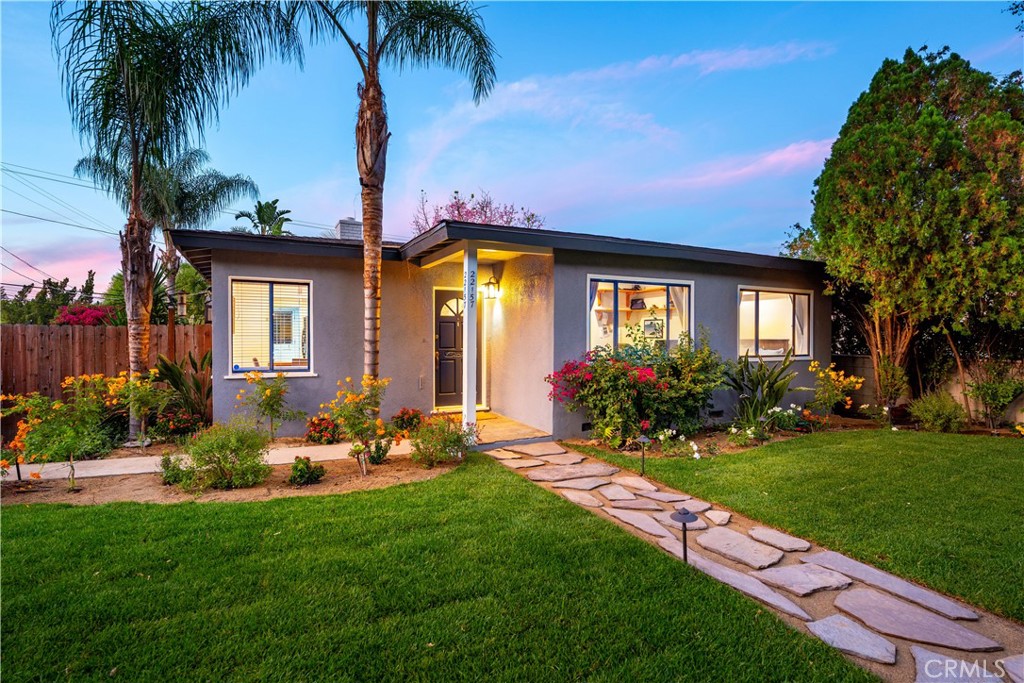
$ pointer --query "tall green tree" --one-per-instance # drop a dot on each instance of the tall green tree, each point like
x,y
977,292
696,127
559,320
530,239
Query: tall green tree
x,y
921,203
402,35
265,220
142,80
180,192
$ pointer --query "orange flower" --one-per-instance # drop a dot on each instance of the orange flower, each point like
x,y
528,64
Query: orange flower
x,y
4,464
36,475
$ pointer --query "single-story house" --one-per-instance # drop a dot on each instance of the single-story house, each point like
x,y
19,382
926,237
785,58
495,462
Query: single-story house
x,y
475,316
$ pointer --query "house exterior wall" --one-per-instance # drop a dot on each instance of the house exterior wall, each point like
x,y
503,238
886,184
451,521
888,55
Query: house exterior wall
x,y
715,308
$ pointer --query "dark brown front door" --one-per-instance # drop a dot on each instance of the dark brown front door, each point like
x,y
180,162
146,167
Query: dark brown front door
x,y
447,348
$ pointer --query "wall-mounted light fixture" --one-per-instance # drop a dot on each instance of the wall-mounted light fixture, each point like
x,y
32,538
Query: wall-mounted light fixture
x,y
490,288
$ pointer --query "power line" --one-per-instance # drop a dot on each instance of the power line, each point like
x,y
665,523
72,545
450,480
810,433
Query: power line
x,y
39,170
88,186
39,204
58,200
58,222
31,279
27,263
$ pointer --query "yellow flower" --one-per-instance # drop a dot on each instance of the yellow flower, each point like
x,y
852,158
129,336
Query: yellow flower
x,y
348,379
267,393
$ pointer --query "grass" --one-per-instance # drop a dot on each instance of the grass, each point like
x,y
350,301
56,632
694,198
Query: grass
x,y
943,510
475,575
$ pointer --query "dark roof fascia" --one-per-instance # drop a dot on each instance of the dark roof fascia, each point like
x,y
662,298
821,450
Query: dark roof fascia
x,y
448,232
300,246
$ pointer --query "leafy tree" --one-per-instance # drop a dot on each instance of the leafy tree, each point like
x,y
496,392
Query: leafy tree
x,y
46,304
921,203
114,298
482,209
189,283
398,34
142,80
267,219
179,192
1017,9
197,293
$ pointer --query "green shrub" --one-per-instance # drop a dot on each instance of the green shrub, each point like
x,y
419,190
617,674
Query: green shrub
x,y
997,384
191,382
939,412
226,456
407,419
640,387
761,387
172,472
441,439
305,472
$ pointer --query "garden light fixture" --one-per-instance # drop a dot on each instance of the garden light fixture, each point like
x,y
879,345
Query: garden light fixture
x,y
684,517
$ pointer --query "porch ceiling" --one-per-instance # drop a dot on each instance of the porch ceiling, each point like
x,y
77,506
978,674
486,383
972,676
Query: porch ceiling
x,y
488,253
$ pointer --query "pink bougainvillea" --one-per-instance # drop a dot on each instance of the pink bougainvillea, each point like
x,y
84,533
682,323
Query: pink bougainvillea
x,y
83,314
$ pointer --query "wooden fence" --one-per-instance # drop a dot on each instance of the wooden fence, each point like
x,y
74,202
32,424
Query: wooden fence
x,y
39,357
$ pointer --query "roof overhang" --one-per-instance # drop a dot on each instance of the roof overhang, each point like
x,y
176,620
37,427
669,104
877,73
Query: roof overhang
x,y
197,246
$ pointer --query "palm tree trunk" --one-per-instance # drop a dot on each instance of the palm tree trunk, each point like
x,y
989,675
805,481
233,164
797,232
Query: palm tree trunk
x,y
371,154
171,265
137,266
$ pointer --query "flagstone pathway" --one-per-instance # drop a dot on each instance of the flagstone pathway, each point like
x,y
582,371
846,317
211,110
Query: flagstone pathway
x,y
879,620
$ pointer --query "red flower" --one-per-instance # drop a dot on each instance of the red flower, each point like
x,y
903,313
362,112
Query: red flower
x,y
645,425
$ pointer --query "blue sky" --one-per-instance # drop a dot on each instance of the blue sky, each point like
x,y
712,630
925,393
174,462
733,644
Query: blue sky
x,y
699,123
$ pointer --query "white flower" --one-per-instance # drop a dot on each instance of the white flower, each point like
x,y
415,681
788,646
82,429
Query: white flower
x,y
895,429
733,430
865,406
885,409
696,455
794,406
694,444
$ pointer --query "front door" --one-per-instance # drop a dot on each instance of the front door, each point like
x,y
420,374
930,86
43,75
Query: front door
x,y
448,308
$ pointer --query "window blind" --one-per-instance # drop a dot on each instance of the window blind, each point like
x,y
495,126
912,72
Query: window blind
x,y
269,326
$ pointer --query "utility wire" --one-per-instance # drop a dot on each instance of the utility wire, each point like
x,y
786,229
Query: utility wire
x,y
39,204
55,198
50,220
31,279
27,263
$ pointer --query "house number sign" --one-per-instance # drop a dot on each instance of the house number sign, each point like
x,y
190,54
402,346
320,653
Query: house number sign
x,y
469,288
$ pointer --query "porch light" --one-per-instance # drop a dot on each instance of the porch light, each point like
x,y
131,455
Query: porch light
x,y
684,517
490,288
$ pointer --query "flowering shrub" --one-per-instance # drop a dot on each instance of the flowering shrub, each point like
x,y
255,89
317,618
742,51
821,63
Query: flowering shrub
x,y
881,415
442,439
304,472
321,429
640,383
407,419
176,422
761,387
832,387
84,314
73,428
747,436
357,411
140,394
1020,429
268,399
225,456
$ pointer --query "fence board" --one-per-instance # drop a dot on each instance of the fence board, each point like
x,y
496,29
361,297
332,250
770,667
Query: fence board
x,y
38,357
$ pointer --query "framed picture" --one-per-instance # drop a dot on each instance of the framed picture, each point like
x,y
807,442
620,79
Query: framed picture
x,y
655,329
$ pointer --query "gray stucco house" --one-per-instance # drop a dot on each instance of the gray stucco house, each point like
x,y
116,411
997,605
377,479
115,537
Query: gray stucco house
x,y
535,298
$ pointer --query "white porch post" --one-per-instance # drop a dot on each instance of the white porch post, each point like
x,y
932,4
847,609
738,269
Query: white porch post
x,y
469,335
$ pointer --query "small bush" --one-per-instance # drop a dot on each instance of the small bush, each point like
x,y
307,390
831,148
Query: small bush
x,y
407,419
441,439
304,472
172,472
172,423
227,456
323,429
939,412
761,387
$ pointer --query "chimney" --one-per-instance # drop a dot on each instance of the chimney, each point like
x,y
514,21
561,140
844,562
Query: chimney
x,y
349,229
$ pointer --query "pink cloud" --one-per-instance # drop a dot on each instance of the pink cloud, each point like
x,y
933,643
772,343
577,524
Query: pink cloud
x,y
64,260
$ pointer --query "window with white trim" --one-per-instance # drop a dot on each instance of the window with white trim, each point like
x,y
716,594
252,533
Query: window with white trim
x,y
269,326
623,310
772,323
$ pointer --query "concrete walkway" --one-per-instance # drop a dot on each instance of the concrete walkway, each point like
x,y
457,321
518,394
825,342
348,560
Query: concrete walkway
x,y
878,620
151,464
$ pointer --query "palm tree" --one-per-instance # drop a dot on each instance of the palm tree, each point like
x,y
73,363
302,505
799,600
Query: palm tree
x,y
400,34
267,219
142,80
182,193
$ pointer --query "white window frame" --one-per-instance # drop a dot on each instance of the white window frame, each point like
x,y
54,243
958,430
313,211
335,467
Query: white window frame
x,y
668,282
283,280
778,290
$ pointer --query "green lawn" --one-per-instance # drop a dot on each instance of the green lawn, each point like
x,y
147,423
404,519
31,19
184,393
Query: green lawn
x,y
944,510
475,575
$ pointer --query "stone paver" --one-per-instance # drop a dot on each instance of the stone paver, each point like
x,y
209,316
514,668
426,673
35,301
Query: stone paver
x,y
666,519
1014,668
665,496
892,584
852,638
641,521
563,472
503,455
894,617
693,505
932,667
537,449
563,459
635,504
803,579
616,492
719,517
742,582
738,547
581,498
582,484
636,483
778,539
522,463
